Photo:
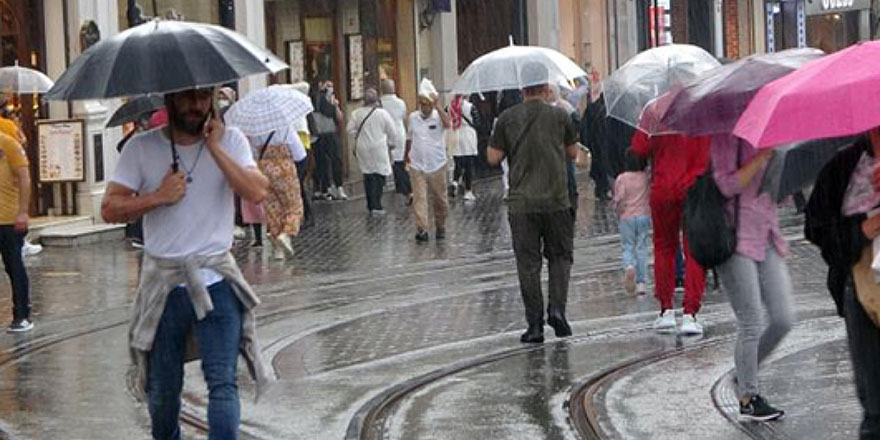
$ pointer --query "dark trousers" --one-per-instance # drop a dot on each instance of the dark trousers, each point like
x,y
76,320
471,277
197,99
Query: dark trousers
x,y
10,248
464,167
550,234
374,186
864,348
402,184
302,168
328,161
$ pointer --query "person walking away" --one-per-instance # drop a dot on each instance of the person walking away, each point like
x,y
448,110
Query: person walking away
x,y
462,116
15,193
328,150
396,107
426,156
756,277
677,161
192,300
374,132
537,139
302,167
276,154
631,201
842,220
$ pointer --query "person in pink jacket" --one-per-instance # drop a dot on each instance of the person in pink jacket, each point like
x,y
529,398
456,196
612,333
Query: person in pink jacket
x,y
631,201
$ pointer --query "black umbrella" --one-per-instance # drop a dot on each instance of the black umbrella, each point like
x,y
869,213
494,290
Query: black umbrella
x,y
796,166
162,57
134,109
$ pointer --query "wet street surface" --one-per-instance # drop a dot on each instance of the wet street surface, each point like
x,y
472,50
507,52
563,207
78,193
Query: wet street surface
x,y
374,336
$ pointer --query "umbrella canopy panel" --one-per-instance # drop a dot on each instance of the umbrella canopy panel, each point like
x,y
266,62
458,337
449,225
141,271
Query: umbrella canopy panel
x,y
713,102
22,80
650,74
266,110
133,109
502,70
834,96
162,57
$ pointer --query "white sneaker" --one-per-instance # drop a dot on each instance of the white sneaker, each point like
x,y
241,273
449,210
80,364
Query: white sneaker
x,y
340,193
30,249
239,233
665,323
469,196
690,326
641,289
629,280
285,245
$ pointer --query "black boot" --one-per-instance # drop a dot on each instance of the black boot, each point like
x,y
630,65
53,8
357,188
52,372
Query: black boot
x,y
556,319
534,335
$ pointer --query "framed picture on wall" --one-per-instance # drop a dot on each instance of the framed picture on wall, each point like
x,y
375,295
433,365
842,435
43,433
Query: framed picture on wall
x,y
296,60
354,46
61,150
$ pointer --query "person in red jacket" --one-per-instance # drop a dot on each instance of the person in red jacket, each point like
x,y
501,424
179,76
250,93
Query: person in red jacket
x,y
677,161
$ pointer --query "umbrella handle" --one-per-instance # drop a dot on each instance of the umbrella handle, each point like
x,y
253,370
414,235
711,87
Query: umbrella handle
x,y
175,165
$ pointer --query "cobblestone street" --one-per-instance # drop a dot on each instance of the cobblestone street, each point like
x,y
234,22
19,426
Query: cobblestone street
x,y
374,336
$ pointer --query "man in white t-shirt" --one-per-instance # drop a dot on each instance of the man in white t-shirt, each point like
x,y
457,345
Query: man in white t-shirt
x,y
426,155
374,134
187,207
396,107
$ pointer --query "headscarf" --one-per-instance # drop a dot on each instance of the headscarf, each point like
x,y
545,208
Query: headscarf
x,y
455,111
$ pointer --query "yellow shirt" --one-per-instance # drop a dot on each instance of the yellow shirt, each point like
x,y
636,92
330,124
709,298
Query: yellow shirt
x,y
305,139
9,128
12,156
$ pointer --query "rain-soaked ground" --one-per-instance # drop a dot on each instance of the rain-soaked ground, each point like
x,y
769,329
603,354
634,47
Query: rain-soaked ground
x,y
372,335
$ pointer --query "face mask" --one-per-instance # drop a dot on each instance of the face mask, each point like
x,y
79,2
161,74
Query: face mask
x,y
223,103
329,91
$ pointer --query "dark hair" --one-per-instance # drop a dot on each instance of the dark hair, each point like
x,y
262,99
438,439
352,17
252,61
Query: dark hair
x,y
632,162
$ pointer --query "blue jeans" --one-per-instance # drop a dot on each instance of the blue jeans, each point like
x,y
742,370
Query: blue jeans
x,y
218,336
634,236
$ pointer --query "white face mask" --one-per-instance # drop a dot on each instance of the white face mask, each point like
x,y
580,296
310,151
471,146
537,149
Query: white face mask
x,y
223,103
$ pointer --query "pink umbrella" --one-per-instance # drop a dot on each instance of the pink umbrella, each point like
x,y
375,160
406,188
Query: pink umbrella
x,y
836,95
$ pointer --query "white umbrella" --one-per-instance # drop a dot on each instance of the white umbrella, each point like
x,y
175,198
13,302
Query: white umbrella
x,y
22,80
650,74
266,110
502,69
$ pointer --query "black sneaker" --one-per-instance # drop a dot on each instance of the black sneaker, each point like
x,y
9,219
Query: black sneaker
x,y
422,236
20,326
759,410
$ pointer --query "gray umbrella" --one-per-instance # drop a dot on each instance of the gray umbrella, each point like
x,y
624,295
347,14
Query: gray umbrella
x,y
134,109
162,57
796,166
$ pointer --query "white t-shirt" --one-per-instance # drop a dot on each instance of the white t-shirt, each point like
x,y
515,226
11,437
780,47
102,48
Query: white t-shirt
x,y
428,142
288,137
467,136
396,107
377,134
200,224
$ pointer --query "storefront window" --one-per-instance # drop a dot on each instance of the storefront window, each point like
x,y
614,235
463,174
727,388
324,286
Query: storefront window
x,y
386,51
832,32
207,11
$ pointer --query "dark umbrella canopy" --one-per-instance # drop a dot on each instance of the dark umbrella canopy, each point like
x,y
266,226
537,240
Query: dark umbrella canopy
x,y
162,57
134,109
796,166
713,102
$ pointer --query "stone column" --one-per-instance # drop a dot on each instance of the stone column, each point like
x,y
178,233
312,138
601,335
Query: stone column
x,y
250,22
543,17
98,145
444,52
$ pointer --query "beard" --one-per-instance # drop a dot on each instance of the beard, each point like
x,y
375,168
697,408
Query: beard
x,y
191,123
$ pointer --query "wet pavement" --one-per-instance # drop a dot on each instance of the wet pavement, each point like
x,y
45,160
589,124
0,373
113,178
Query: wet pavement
x,y
374,336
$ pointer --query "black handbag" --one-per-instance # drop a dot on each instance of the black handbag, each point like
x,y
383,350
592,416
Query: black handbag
x,y
710,231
